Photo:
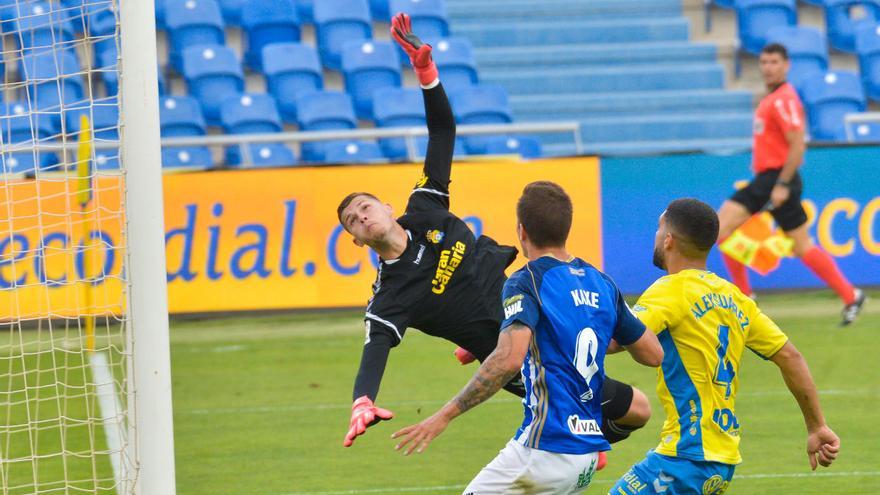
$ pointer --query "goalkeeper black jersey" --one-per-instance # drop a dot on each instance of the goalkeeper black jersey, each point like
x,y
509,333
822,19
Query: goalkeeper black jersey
x,y
447,283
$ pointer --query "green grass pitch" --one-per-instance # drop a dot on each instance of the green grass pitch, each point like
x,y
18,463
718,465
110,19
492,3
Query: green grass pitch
x,y
261,406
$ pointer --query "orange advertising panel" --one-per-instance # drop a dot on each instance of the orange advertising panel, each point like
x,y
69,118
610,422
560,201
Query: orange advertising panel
x,y
269,239
57,257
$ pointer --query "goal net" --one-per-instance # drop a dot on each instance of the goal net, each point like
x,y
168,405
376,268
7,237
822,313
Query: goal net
x,y
67,361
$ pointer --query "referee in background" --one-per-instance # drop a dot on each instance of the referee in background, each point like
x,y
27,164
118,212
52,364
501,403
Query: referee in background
x,y
777,155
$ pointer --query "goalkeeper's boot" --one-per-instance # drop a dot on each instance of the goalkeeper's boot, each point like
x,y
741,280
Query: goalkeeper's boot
x,y
851,311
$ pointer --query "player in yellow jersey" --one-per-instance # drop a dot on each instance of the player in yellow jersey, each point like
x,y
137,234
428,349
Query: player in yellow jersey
x,y
704,324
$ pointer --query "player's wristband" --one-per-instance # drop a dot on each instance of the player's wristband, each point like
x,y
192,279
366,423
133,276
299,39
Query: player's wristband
x,y
783,184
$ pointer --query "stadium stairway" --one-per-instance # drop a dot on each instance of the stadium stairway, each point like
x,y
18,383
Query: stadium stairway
x,y
625,69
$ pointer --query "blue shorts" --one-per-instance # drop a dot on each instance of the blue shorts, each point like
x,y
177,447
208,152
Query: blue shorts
x,y
660,474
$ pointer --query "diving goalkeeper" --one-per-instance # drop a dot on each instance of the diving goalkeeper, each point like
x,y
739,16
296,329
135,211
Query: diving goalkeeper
x,y
434,275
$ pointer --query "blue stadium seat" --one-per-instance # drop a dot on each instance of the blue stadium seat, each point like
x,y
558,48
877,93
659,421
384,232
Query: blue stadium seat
x,y
305,10
865,132
369,66
352,152
844,17
868,50
338,22
181,116
253,113
398,107
53,77
756,17
187,157
106,65
828,98
250,113
429,17
20,126
100,21
265,22
40,26
192,23
103,115
263,155
104,119
379,10
807,51
525,146
231,10
323,111
455,61
291,69
727,4
483,104
213,73
159,7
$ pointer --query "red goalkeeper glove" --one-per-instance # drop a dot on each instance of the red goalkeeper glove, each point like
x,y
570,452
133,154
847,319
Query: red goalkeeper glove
x,y
419,53
363,415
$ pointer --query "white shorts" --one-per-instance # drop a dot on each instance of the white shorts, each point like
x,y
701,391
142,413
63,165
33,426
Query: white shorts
x,y
523,470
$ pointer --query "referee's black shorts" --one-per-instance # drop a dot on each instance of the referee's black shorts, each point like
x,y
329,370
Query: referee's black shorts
x,y
789,215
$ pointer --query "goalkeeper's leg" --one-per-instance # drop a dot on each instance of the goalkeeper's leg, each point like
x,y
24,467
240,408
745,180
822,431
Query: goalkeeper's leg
x,y
625,409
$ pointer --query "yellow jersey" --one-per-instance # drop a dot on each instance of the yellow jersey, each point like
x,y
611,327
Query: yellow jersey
x,y
704,324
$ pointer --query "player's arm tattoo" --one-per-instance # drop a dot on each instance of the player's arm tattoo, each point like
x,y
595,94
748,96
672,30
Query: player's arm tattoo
x,y
494,373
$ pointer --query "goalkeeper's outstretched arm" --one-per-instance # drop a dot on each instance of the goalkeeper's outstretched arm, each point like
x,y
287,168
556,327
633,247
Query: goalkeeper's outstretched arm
x,y
433,190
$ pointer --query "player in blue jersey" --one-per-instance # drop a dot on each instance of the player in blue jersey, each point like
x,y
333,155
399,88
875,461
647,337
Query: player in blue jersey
x,y
560,313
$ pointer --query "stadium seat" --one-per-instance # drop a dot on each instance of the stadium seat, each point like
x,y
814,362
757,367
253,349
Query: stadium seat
x,y
263,155
231,10
455,61
192,23
844,17
829,97
868,50
250,113
53,77
100,21
368,66
181,116
106,65
865,132
195,157
323,111
20,126
265,22
253,113
484,104
213,73
398,107
305,10
103,115
338,22
39,26
352,152
807,50
429,18
756,17
525,146
379,11
291,69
